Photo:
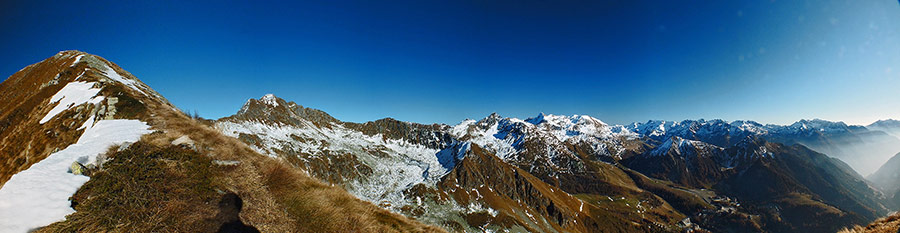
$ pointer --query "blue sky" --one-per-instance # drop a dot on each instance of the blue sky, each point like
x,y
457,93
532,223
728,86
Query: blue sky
x,y
424,61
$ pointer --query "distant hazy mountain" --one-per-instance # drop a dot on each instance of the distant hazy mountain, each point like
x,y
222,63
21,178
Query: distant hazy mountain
x,y
889,126
887,178
863,149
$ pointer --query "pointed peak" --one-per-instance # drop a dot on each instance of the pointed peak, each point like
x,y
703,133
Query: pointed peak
x,y
537,119
270,108
270,99
490,119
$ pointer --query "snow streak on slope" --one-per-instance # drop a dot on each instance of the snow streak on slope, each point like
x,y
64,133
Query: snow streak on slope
x,y
73,94
39,195
112,74
77,59
403,165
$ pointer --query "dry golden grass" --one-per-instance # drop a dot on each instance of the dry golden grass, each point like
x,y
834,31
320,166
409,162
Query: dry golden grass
x,y
147,188
889,224
318,207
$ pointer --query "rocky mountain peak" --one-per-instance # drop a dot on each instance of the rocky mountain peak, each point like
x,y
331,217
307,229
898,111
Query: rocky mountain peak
x,y
270,99
537,119
268,102
489,121
272,109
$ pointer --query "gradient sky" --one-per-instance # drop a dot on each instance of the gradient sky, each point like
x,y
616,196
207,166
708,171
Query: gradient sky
x,y
422,61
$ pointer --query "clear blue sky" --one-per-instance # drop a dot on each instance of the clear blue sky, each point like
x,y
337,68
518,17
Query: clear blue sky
x,y
421,61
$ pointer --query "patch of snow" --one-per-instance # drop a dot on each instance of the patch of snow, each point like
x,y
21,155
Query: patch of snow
x,y
73,94
478,207
88,123
270,99
77,59
39,195
112,74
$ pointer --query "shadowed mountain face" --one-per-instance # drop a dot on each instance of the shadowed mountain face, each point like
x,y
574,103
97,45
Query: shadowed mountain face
x,y
786,185
887,178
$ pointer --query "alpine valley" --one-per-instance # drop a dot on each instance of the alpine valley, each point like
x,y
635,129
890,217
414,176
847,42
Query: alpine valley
x,y
86,146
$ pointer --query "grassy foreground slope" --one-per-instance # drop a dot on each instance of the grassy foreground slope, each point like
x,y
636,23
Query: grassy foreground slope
x,y
890,224
182,177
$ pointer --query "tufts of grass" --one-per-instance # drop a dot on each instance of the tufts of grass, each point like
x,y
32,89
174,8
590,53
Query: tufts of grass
x,y
146,188
889,224
318,207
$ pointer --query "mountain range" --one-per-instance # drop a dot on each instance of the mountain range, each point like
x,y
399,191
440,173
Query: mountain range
x,y
106,143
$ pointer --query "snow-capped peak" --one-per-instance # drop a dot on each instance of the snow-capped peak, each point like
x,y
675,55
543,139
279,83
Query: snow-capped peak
x,y
266,103
819,125
270,99
565,127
